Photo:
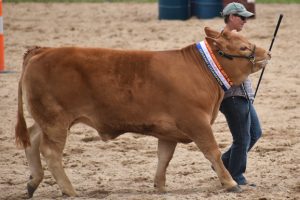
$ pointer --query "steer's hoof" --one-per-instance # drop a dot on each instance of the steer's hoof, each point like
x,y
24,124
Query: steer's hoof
x,y
235,189
160,189
30,190
69,193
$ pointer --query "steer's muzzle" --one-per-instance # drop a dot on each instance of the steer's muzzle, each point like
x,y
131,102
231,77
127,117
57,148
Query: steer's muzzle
x,y
262,61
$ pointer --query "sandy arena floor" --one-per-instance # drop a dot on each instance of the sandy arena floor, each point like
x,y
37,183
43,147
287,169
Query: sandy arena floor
x,y
124,168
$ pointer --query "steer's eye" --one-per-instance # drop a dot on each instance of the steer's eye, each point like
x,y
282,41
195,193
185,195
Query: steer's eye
x,y
243,48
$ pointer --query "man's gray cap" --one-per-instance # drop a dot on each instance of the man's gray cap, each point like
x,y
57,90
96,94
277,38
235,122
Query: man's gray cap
x,y
236,8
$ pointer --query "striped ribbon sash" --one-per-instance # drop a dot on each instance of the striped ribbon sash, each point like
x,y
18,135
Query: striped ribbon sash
x,y
213,65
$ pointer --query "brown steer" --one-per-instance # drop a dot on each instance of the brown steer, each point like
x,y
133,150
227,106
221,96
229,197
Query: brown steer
x,y
171,95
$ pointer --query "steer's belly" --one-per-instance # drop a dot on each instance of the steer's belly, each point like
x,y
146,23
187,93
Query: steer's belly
x,y
166,132
175,135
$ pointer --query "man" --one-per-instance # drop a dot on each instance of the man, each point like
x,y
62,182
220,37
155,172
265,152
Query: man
x,y
238,109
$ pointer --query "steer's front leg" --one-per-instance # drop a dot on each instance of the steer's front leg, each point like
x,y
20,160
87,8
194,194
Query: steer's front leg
x,y
165,152
209,147
200,132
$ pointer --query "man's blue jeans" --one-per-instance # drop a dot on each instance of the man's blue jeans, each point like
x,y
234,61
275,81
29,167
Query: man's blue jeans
x,y
245,129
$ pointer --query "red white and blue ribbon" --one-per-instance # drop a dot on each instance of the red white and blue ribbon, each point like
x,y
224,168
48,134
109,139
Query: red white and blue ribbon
x,y
213,65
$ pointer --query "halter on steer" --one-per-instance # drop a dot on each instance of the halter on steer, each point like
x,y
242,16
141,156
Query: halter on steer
x,y
251,57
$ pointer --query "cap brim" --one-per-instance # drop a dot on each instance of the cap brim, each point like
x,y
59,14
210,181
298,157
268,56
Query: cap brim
x,y
245,14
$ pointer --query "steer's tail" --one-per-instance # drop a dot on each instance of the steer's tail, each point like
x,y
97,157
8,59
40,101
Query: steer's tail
x,y
21,132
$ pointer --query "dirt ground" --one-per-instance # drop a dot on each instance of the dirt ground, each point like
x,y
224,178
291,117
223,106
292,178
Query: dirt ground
x,y
124,168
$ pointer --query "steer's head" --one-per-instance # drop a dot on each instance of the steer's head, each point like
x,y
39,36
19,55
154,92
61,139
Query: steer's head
x,y
236,54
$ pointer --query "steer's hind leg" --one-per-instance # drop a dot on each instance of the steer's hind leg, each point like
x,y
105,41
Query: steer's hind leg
x,y
206,142
165,153
53,142
34,160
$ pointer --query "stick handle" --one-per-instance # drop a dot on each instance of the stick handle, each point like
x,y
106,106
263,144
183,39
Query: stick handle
x,y
274,36
275,33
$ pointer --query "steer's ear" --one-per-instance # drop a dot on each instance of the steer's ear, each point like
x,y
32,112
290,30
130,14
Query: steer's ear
x,y
214,43
211,33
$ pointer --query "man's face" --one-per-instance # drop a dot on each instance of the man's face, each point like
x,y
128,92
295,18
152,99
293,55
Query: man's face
x,y
237,22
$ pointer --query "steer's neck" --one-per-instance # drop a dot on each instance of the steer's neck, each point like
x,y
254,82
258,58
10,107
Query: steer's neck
x,y
213,65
